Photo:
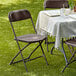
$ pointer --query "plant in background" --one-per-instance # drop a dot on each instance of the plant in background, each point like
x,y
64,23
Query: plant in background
x,y
71,4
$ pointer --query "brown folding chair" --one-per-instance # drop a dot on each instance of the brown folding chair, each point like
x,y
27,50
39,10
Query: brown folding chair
x,y
71,43
54,4
16,16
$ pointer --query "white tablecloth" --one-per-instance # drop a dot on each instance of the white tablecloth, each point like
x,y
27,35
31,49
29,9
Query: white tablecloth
x,y
48,22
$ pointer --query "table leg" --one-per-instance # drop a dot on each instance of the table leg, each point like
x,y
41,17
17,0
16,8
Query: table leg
x,y
64,51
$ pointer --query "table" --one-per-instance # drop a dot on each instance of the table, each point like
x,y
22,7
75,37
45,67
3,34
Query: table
x,y
50,22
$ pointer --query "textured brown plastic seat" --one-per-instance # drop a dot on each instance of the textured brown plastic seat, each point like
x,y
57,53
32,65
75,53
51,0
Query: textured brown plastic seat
x,y
55,4
31,38
19,15
71,43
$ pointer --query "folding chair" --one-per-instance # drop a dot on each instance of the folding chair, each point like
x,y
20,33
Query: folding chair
x,y
19,15
71,43
54,4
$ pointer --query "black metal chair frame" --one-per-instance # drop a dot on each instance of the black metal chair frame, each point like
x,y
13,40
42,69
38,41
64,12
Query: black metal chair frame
x,y
23,15
71,43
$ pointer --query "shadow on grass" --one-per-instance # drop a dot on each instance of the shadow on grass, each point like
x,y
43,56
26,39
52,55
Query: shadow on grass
x,y
30,6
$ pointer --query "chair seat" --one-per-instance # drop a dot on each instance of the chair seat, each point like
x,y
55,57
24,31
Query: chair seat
x,y
71,42
30,38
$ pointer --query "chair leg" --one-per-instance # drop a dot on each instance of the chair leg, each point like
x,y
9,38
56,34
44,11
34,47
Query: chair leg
x,y
43,53
22,55
14,57
65,67
52,50
46,42
23,62
69,62
18,53
70,49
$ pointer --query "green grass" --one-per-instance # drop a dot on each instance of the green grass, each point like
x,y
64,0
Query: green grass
x,y
8,47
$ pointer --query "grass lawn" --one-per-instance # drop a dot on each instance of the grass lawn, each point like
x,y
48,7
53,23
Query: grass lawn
x,y
8,47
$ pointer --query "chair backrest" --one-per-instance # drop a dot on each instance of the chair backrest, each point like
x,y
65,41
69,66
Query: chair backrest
x,y
19,15
55,4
